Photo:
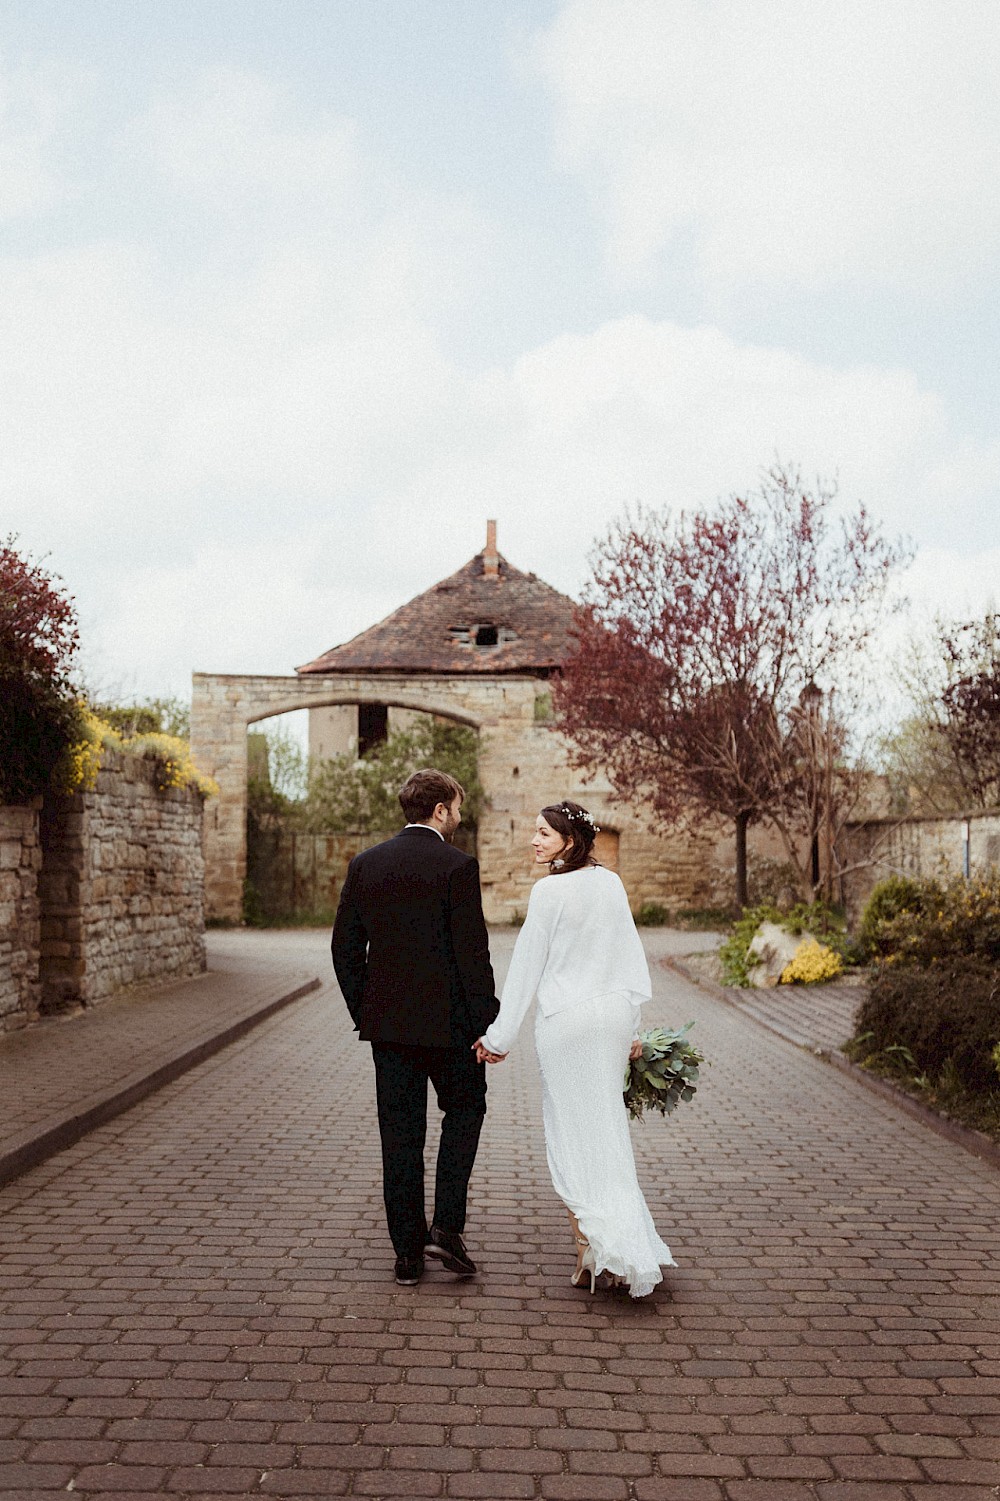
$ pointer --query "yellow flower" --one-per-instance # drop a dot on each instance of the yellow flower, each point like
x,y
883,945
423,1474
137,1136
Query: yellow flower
x,y
77,771
812,962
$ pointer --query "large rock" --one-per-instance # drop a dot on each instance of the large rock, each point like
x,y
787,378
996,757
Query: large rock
x,y
774,949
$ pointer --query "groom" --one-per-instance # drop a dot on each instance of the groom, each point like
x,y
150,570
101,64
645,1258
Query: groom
x,y
411,953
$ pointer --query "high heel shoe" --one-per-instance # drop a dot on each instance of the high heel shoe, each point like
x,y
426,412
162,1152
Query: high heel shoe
x,y
582,1269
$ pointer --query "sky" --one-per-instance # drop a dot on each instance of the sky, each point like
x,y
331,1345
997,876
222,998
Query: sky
x,y
294,296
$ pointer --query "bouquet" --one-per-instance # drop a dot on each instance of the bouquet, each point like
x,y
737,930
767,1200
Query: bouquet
x,y
666,1073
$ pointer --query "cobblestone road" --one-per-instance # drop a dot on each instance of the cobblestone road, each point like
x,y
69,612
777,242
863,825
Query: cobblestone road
x,y
197,1299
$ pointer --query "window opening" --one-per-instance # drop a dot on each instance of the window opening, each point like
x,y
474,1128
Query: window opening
x,y
373,726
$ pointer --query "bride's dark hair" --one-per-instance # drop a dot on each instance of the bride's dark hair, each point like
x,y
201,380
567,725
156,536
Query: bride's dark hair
x,y
576,826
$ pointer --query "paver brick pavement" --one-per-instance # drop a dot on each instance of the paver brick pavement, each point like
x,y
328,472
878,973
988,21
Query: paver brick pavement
x,y
198,1300
64,1075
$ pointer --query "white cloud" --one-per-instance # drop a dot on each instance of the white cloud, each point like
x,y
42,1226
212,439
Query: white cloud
x,y
801,143
35,104
229,135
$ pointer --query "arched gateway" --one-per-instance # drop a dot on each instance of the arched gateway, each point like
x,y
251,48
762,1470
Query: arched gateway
x,y
479,647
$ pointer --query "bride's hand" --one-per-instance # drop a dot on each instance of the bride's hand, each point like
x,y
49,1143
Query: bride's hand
x,y
483,1055
635,1051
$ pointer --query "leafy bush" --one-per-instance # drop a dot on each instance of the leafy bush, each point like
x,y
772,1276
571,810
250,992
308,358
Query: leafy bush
x,y
652,915
81,759
173,757
734,954
39,716
944,920
889,898
148,716
38,722
345,794
947,1017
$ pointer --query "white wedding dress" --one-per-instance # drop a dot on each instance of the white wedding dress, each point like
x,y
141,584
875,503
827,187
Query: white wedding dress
x,y
580,954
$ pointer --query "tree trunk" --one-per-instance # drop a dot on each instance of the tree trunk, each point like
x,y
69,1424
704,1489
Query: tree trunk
x,y
742,823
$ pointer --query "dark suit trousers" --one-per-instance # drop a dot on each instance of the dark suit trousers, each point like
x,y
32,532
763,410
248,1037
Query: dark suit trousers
x,y
401,1075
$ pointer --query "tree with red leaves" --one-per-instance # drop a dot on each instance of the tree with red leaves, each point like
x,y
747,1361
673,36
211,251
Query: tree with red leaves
x,y
701,648
38,709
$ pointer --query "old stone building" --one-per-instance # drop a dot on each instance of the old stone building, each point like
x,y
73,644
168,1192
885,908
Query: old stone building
x,y
480,647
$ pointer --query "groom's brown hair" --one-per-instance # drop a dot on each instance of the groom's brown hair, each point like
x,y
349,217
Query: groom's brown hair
x,y
421,793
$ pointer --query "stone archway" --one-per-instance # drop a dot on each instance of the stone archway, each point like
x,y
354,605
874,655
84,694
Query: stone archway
x,y
515,762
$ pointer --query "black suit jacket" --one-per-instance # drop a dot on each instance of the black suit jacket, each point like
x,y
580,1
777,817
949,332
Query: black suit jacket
x,y
410,946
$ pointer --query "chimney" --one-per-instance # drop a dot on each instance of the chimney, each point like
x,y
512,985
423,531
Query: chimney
x,y
491,558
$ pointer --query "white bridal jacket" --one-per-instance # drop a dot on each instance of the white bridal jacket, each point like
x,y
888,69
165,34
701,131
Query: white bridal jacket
x,y
578,941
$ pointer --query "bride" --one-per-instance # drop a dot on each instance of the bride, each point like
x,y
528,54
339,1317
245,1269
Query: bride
x,y
579,952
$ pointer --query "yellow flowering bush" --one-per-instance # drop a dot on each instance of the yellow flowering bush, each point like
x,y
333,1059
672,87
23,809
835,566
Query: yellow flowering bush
x,y
173,756
811,963
81,760
946,919
77,771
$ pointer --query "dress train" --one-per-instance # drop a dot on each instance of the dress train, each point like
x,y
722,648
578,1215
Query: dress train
x,y
582,1054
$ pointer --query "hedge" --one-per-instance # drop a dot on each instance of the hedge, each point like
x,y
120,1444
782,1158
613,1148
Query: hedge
x,y
946,1013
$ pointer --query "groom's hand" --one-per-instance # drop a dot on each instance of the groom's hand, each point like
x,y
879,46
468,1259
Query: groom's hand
x,y
483,1055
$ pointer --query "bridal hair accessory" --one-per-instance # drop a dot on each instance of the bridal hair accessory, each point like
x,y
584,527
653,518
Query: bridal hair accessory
x,y
581,817
557,864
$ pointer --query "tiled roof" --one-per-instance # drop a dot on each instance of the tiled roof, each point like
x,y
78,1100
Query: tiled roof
x,y
488,617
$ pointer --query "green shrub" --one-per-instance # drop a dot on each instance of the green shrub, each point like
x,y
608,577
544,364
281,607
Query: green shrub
x,y
957,919
345,793
38,724
734,954
946,1017
652,915
39,713
889,898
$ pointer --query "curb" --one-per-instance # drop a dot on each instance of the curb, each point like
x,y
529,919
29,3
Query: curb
x,y
46,1139
974,1142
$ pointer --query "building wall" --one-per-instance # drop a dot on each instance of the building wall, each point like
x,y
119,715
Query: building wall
x,y
920,847
526,766
121,885
333,731
20,916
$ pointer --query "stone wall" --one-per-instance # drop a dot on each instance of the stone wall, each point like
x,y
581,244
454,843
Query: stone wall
x,y
121,885
922,847
20,921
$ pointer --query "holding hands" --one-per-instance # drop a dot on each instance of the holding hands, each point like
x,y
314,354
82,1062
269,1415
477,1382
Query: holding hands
x,y
483,1055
